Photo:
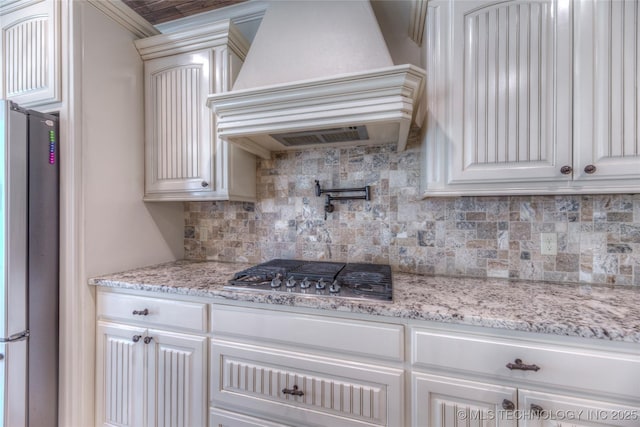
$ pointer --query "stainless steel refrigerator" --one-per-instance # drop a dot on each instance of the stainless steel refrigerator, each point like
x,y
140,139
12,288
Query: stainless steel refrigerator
x,y
29,235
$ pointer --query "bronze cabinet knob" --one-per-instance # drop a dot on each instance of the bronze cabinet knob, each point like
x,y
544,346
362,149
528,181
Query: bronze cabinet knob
x,y
566,170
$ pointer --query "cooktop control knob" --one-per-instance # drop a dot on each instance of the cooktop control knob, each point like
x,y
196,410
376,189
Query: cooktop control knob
x,y
291,283
305,283
320,284
334,288
276,282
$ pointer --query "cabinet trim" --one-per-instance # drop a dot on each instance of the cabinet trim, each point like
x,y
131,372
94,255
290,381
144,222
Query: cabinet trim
x,y
202,37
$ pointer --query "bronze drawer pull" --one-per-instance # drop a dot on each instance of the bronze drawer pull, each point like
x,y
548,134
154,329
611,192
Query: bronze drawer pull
x,y
518,365
136,338
293,391
141,312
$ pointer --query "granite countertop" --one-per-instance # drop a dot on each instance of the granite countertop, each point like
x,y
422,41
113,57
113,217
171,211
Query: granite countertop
x,y
590,311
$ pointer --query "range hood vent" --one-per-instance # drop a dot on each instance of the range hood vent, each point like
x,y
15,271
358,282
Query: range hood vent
x,y
319,73
324,136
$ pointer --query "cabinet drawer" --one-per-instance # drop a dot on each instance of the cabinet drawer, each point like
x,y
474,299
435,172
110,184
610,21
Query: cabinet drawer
x,y
222,418
304,389
159,312
371,339
565,366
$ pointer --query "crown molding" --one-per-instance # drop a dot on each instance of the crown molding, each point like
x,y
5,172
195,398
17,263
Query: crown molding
x,y
238,14
202,37
126,17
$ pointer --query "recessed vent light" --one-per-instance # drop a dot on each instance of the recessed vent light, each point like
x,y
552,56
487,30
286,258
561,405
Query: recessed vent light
x,y
322,136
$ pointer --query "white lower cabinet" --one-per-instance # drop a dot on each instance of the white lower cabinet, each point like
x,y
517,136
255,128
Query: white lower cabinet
x,y
483,379
546,409
303,388
176,379
445,401
222,418
448,401
185,362
302,370
120,377
147,376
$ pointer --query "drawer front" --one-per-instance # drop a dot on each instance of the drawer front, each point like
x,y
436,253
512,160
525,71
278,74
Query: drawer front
x,y
370,339
222,418
568,367
159,312
304,389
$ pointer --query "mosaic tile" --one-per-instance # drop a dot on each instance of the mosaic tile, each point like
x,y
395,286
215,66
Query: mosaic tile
x,y
598,235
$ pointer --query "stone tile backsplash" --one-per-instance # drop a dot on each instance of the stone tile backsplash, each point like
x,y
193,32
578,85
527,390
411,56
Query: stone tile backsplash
x,y
598,235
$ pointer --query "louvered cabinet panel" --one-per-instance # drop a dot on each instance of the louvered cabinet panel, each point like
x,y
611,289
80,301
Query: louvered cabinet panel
x,y
291,387
222,418
120,375
566,411
178,128
607,121
31,52
448,402
511,90
176,380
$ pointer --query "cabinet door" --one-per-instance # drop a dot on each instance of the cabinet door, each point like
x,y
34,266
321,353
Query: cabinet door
x,y
31,52
221,418
120,375
607,116
178,126
449,402
499,93
177,379
550,410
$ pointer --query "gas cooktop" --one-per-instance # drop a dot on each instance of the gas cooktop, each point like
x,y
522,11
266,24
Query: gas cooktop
x,y
317,278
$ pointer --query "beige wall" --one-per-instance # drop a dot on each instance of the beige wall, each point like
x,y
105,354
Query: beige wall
x,y
122,231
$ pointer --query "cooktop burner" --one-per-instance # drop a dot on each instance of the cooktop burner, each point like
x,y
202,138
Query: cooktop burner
x,y
317,278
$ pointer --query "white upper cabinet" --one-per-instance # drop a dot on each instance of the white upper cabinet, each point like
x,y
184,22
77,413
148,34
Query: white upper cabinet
x,y
511,76
184,158
30,51
607,113
531,97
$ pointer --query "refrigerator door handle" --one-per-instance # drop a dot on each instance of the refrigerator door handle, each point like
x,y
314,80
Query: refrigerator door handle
x,y
16,337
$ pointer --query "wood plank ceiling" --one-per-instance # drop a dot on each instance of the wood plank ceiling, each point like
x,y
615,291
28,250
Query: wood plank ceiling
x,y
158,11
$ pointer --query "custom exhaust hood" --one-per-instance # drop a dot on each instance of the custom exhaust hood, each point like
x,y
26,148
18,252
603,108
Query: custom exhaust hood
x,y
318,73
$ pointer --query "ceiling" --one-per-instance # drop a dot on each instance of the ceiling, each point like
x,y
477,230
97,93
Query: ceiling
x,y
158,11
